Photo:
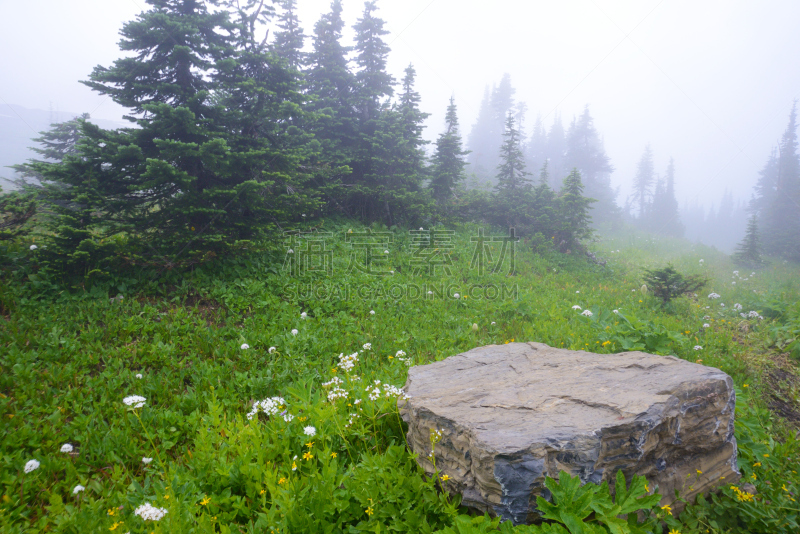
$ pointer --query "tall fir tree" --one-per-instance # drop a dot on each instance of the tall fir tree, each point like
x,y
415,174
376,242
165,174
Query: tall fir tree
x,y
782,214
662,215
374,84
447,166
511,174
482,155
536,149
331,85
289,41
209,146
643,181
585,151
748,252
556,150
574,211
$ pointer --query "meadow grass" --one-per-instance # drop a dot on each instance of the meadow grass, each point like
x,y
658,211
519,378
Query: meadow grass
x,y
202,348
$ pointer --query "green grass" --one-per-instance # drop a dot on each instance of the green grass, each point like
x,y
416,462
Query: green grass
x,y
69,357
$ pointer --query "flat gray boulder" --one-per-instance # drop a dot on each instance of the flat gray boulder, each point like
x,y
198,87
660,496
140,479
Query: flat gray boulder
x,y
512,414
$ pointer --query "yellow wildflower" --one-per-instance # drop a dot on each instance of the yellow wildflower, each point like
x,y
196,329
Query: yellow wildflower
x,y
310,444
369,510
262,492
115,526
281,480
333,455
445,478
307,456
667,508
674,531
112,511
757,464
744,386
699,472
205,501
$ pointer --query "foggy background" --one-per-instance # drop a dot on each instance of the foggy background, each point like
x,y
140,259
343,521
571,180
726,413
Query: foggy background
x,y
709,83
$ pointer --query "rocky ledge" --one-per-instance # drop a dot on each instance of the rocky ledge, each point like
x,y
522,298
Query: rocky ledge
x,y
512,414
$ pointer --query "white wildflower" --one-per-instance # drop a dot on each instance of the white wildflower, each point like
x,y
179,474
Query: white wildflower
x,y
743,315
421,228
310,431
706,325
577,292
271,350
576,307
372,312
138,375
587,313
295,331
385,251
67,447
148,512
753,314
134,400
430,292
270,406
245,346
737,306
146,460
456,296
77,489
722,304
346,363
400,353
391,272
702,261
493,323
698,347
303,315
291,251
615,311
474,327
34,247
734,283
32,465
736,273
713,295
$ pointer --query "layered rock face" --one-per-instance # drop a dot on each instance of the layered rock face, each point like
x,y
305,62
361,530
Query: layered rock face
x,y
512,414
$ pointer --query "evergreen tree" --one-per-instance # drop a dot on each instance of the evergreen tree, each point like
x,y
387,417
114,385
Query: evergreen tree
x,y
556,149
213,113
55,144
643,181
767,186
289,40
585,151
748,253
573,209
782,216
511,174
536,149
373,82
331,85
662,215
448,160
482,151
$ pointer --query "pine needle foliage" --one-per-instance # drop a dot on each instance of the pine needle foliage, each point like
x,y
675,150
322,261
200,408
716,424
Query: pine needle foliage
x,y
667,283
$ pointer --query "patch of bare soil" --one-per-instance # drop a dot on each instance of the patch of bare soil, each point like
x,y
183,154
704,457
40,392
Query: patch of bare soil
x,y
784,388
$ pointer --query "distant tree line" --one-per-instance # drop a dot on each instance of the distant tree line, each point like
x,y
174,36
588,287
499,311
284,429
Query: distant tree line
x,y
238,134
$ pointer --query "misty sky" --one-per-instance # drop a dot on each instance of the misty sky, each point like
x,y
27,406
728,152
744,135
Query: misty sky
x,y
707,82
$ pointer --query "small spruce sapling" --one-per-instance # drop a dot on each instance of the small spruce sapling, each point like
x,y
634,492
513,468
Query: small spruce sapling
x,y
667,283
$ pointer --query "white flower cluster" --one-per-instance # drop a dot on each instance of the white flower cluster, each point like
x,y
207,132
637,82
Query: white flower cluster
x,y
698,347
245,346
134,400
576,307
310,431
706,325
77,489
146,460
388,391
615,311
346,363
401,355
353,417
303,315
714,296
750,315
367,346
67,447
148,512
737,306
32,465
271,350
587,313
337,392
295,331
270,406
